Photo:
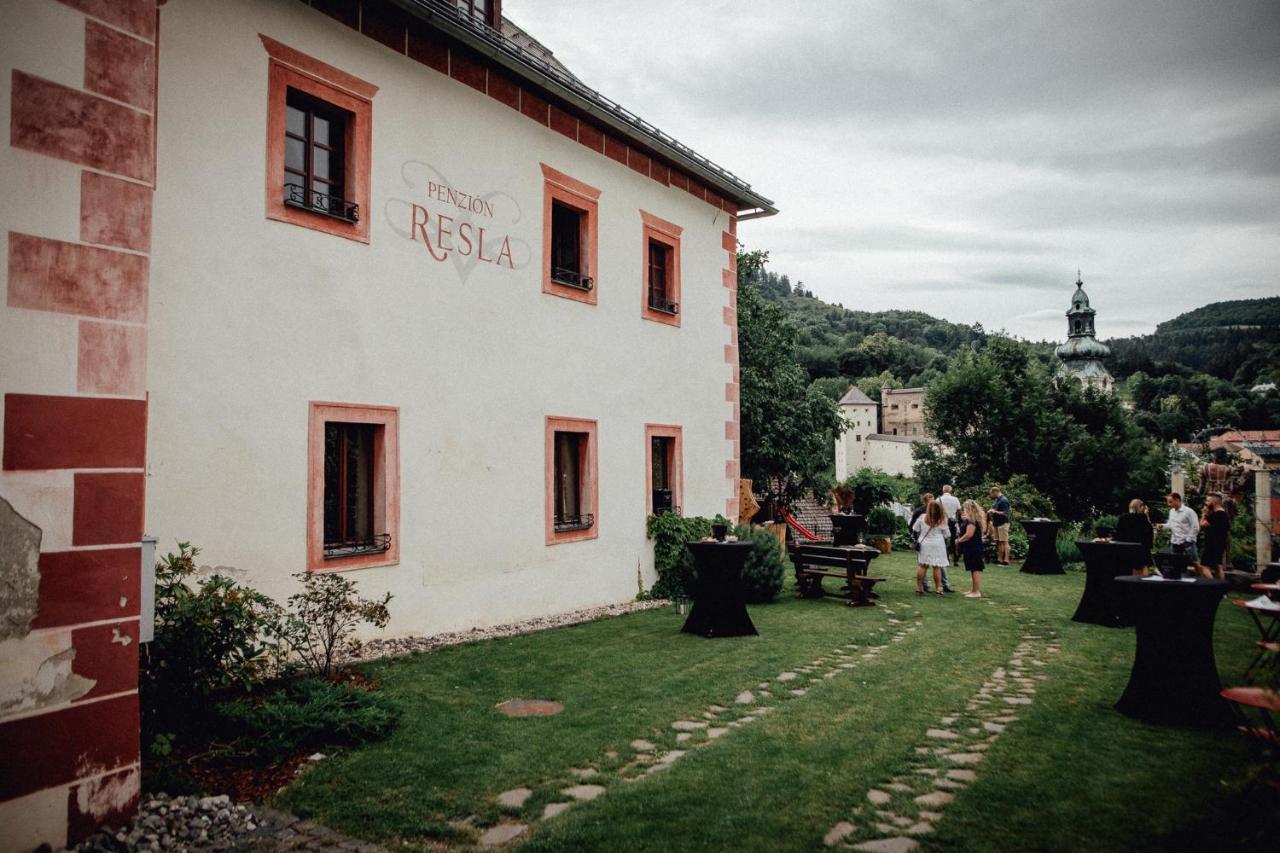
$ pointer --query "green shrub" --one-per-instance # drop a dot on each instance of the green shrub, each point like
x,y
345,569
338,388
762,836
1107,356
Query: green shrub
x,y
305,715
763,570
1101,524
882,521
671,559
1025,500
1068,553
322,619
209,638
871,488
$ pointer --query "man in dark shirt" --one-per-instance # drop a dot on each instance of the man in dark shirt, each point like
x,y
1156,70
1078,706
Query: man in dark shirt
x,y
1216,525
1000,522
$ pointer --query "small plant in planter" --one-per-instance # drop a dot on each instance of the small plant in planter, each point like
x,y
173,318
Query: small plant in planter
x,y
881,523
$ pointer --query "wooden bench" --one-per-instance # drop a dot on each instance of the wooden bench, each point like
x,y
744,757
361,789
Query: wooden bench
x,y
815,562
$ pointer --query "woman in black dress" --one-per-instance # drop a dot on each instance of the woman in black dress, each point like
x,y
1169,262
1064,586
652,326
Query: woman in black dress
x,y
1135,526
972,523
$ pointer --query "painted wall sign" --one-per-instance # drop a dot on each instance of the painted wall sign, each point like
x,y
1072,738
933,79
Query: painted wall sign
x,y
457,225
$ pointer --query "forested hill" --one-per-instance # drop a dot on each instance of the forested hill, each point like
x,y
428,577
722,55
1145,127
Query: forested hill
x,y
1236,341
1195,370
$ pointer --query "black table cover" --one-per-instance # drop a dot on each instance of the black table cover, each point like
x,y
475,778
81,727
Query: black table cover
x,y
719,604
1175,675
846,528
1042,547
1102,602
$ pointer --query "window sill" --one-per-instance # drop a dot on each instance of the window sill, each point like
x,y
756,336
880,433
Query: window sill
x,y
318,211
379,544
664,307
574,532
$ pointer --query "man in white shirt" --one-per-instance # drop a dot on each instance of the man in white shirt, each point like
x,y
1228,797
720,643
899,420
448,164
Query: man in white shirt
x,y
1184,527
951,504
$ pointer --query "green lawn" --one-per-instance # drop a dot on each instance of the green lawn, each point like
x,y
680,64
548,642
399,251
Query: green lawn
x,y
1069,774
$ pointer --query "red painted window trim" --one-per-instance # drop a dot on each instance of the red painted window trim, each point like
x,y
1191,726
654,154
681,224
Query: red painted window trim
x,y
652,431
668,234
557,186
292,69
590,474
386,482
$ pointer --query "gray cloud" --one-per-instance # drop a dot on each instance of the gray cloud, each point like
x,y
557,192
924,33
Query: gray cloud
x,y
964,157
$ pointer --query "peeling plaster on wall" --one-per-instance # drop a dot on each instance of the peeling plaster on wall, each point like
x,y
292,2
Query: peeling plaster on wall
x,y
106,795
19,572
37,673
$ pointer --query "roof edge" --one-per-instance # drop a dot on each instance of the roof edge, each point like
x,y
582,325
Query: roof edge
x,y
491,44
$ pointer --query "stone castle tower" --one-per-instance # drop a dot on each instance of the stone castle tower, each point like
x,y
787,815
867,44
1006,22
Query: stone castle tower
x,y
1082,355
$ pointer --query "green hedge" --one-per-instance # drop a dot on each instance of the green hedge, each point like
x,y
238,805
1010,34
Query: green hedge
x,y
761,575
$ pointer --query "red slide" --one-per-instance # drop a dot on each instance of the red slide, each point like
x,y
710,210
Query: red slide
x,y
800,528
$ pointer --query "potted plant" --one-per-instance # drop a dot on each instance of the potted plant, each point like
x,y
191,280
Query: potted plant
x,y
880,524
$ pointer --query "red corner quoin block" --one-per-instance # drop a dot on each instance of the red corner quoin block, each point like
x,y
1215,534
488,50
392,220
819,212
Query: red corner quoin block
x,y
107,509
88,586
57,121
107,654
44,432
78,741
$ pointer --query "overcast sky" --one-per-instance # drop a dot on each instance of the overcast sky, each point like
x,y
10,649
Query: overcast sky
x,y
964,158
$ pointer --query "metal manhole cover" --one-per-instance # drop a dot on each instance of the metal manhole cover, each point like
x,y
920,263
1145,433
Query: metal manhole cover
x,y
530,707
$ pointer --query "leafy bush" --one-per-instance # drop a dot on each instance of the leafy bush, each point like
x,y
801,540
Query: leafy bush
x,y
882,521
322,620
305,715
1068,553
763,570
1025,500
871,488
671,559
209,638
1101,524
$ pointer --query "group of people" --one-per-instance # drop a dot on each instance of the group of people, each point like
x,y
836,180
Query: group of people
x,y
944,529
1185,528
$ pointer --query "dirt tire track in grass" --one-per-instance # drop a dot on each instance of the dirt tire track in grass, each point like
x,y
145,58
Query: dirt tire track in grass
x,y
893,816
690,733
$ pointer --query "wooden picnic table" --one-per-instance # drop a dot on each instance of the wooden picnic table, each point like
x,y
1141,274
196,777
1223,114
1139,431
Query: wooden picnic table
x,y
816,561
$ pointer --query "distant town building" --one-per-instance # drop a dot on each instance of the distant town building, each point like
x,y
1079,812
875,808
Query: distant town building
x,y
868,442
902,411
851,446
1082,356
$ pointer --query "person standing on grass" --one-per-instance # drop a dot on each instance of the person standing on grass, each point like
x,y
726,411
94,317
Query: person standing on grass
x,y
1217,526
972,522
951,504
1184,528
928,499
1135,526
1000,524
931,533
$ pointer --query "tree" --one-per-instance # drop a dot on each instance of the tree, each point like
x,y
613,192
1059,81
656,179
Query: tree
x,y
787,428
998,414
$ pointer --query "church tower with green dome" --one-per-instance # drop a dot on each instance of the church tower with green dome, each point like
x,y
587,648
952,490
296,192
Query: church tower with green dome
x,y
1082,356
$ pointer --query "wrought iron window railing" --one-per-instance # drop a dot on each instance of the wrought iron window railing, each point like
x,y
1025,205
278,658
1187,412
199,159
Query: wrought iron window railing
x,y
666,306
374,545
572,278
296,195
574,522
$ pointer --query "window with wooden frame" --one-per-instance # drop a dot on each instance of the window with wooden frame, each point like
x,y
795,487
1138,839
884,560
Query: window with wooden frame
x,y
571,480
319,141
661,297
569,237
663,468
353,485
315,156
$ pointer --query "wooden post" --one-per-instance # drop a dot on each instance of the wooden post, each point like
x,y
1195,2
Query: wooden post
x,y
1263,522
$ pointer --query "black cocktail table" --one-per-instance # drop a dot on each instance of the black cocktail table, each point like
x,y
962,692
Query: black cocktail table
x,y
1042,547
1175,675
846,528
719,604
1101,603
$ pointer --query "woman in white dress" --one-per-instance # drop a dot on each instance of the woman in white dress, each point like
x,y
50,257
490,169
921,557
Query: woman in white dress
x,y
931,533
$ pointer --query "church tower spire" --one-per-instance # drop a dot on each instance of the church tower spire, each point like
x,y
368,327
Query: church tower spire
x,y
1082,355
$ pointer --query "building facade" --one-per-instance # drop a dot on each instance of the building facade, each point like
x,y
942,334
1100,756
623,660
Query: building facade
x,y
902,411
1082,357
860,412
372,287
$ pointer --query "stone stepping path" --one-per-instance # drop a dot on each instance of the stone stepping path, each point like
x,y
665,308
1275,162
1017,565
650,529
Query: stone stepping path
x,y
894,815
647,756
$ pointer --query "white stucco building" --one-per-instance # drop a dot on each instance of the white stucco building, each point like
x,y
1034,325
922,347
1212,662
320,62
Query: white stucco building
x,y
851,446
375,287
867,443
